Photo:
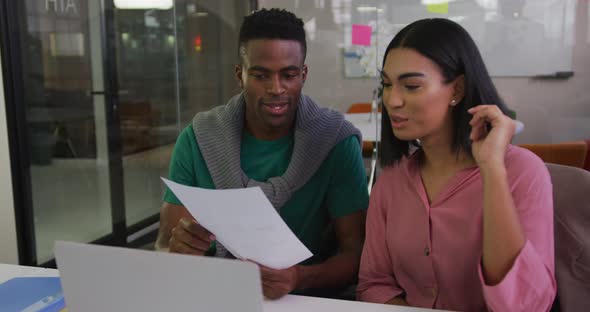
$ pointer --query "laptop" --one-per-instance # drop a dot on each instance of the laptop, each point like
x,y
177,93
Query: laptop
x,y
100,278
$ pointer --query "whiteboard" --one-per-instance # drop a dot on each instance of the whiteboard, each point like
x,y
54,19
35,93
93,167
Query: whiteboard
x,y
517,38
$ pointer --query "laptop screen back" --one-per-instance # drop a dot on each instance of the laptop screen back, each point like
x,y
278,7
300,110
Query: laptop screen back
x,y
100,278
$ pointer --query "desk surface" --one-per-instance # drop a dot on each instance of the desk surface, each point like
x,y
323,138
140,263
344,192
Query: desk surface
x,y
289,303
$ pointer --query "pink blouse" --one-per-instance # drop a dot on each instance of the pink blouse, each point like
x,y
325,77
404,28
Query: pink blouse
x,y
432,252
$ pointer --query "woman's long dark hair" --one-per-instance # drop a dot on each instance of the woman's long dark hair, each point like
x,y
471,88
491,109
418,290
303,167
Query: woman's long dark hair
x,y
448,45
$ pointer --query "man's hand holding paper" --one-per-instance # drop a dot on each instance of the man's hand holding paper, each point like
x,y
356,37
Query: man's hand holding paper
x,y
189,237
243,220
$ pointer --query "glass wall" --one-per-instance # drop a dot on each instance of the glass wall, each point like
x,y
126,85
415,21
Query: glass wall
x,y
172,63
105,89
65,123
146,52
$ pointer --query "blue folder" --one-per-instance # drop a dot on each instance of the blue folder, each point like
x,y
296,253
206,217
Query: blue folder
x,y
32,294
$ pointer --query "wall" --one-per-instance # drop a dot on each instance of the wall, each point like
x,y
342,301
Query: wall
x,y
8,245
555,110
552,110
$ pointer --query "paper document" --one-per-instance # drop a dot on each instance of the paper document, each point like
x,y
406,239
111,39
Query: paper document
x,y
245,222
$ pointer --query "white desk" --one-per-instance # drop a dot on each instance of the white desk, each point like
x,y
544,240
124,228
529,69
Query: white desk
x,y
289,303
366,125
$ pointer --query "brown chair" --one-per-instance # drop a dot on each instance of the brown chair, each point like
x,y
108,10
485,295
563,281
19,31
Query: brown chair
x,y
571,204
587,164
360,108
568,153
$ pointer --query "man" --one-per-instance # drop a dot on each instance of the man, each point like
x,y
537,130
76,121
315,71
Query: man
x,y
306,159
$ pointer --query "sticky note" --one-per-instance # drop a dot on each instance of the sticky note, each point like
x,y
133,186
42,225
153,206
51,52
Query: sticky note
x,y
361,35
440,8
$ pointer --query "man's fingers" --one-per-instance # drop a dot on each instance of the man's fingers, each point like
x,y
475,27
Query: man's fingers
x,y
270,275
195,228
267,292
271,291
275,283
267,289
181,235
177,246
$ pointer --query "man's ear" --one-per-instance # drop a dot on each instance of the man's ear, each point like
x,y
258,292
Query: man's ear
x,y
304,73
459,89
238,73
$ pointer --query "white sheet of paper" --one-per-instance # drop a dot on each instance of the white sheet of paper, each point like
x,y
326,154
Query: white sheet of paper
x,y
245,222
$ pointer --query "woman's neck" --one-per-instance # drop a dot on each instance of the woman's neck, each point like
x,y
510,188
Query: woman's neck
x,y
438,155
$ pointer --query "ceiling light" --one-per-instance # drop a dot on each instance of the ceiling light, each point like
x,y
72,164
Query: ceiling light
x,y
144,4
369,9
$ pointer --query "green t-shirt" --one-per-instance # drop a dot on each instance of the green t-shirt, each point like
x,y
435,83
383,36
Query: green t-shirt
x,y
338,188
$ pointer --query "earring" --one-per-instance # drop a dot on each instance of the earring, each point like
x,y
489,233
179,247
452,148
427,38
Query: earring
x,y
453,102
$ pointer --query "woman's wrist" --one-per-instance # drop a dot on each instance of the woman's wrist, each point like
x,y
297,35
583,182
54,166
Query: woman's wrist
x,y
492,167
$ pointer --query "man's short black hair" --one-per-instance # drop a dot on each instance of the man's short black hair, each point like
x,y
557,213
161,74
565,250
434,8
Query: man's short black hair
x,y
272,24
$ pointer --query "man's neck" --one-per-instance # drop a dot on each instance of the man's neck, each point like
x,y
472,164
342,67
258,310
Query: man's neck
x,y
266,134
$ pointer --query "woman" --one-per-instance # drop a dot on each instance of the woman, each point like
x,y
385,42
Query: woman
x,y
465,222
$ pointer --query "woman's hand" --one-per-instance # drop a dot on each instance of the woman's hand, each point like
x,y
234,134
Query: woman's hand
x,y
491,132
